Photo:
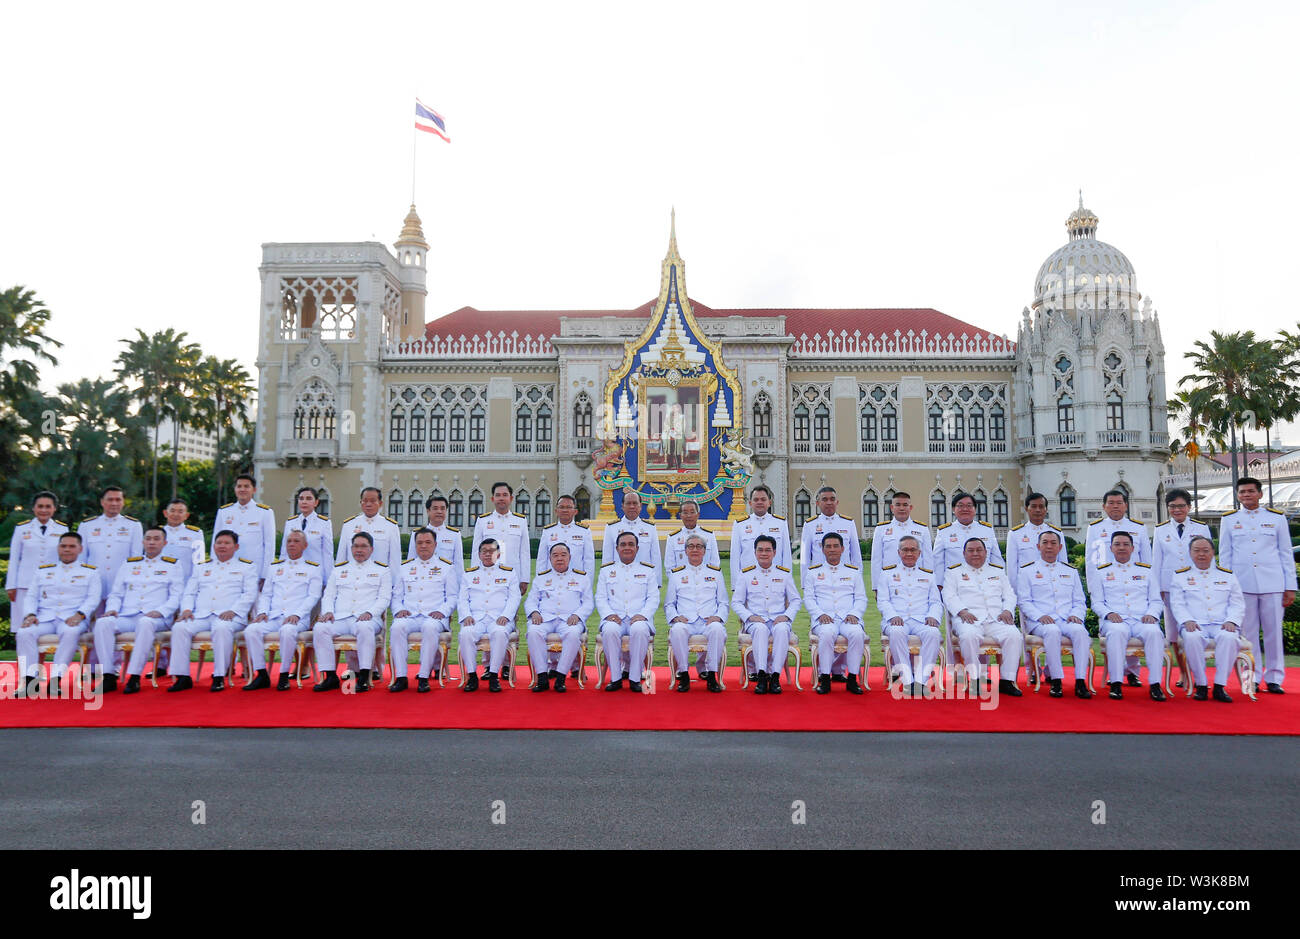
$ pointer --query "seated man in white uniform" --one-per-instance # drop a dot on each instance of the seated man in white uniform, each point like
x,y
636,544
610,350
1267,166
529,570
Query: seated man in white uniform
x,y
218,599
627,595
559,602
291,592
59,600
145,597
489,599
908,597
1208,605
979,600
1051,606
1126,597
836,601
425,591
353,604
764,597
696,603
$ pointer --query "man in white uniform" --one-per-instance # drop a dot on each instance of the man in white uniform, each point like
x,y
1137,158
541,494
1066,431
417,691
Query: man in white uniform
x,y
510,531
489,599
559,602
34,543
1125,594
1171,548
675,544
383,531
218,598
253,522
1022,541
316,529
826,521
765,599
886,536
1097,549
567,531
145,597
109,539
425,591
353,604
63,595
950,540
836,601
1051,606
647,537
696,604
908,596
627,595
284,608
450,543
184,542
979,600
759,522
1208,606
1255,544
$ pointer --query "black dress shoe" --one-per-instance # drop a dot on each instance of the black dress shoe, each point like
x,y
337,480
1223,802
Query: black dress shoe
x,y
615,685
851,684
773,683
107,683
329,683
1157,693
132,685
574,674
1008,687
282,683
399,684
505,672
471,682
543,682
434,676
363,681
1274,688
760,684
1133,681
260,680
683,682
494,683
1055,689
559,683
182,683
712,684
1221,694
839,679
29,688
1081,689
218,683
1116,690
823,684
634,686
421,686
918,690
1201,693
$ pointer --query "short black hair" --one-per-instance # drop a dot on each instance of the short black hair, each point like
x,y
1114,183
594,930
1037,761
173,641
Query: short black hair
x,y
762,488
1035,495
830,489
70,534
626,534
426,530
832,534
901,495
176,501
1196,538
958,496
488,541
509,488
1250,481
301,489
226,531
1115,492
765,538
567,496
436,497
1121,534
1043,534
107,489
157,528
969,540
45,494
1174,494
375,489
363,534
247,476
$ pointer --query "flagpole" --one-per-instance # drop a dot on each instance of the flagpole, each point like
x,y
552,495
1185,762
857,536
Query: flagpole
x,y
414,138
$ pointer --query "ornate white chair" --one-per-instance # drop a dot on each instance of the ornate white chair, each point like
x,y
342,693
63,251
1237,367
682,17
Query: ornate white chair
x,y
1244,665
1036,659
555,644
913,650
745,645
602,667
697,644
841,647
1134,647
484,646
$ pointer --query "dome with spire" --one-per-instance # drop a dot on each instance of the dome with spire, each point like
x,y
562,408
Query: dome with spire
x,y
1084,272
412,232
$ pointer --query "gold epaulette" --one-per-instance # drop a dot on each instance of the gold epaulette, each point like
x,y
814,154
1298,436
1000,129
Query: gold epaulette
x,y
261,506
1140,564
814,567
1026,564
43,566
943,526
1226,570
746,570
391,519
169,560
518,515
381,563
780,568
676,569
926,569
408,561
504,568
312,563
91,566
281,561
647,564
953,567
576,571
607,564
1020,526
226,506
346,520
713,567
323,518
1183,570
1100,566
246,560
887,567
194,528
1097,521
133,560
341,564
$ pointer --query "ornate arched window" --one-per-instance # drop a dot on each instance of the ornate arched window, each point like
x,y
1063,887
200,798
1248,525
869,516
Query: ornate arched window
x,y
475,507
477,429
1065,499
313,412
323,508
762,416
582,499
802,509
543,428
417,429
395,504
1064,415
542,509
981,505
414,510
456,509
582,417
522,502
870,510
1001,513
938,508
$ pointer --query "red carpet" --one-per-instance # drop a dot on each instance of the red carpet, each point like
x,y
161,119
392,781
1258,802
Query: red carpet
x,y
593,709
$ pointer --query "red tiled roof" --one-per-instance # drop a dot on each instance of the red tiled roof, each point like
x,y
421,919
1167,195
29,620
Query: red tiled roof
x,y
1225,459
467,321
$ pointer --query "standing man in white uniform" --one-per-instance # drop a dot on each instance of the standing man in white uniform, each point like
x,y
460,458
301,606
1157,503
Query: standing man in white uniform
x,y
316,529
760,521
253,522
950,540
184,542
1125,594
979,600
425,591
284,608
62,597
1097,549
837,602
34,543
383,531
765,599
489,599
908,596
826,521
1051,606
627,596
886,536
109,539
450,544
675,544
696,604
1022,541
510,531
1171,546
582,551
560,602
353,604
647,536
218,598
1208,605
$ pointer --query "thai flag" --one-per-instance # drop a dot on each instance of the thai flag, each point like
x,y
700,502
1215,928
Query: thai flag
x,y
430,121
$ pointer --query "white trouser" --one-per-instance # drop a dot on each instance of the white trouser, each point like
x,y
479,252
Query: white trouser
x,y
971,635
18,607
1264,614
898,654
854,638
1225,651
679,635
25,638
324,634
1115,637
255,639
108,628
778,634
223,643
570,642
638,641
498,644
399,643
1080,642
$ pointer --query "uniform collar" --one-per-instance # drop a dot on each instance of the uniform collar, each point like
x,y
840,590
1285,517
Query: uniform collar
x,y
1198,570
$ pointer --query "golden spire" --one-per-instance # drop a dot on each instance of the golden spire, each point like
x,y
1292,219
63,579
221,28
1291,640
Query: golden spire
x,y
412,233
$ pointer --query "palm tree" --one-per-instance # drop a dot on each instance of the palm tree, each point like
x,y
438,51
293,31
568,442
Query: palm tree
x,y
1184,407
225,389
23,347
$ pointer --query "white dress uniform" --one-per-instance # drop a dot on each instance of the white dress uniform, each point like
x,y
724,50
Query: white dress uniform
x,y
423,588
1022,543
1132,590
215,587
387,537
884,545
624,591
143,585
32,545
448,544
984,592
647,543
582,549
106,543
766,592
185,544
950,546
320,542
697,593
1209,598
1256,546
59,592
675,547
1097,544
557,597
293,589
511,534
911,594
817,527
743,535
254,523
836,591
1054,590
486,595
1169,553
354,589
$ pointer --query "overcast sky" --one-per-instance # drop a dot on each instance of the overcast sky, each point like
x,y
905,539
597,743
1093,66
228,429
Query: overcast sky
x,y
818,154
